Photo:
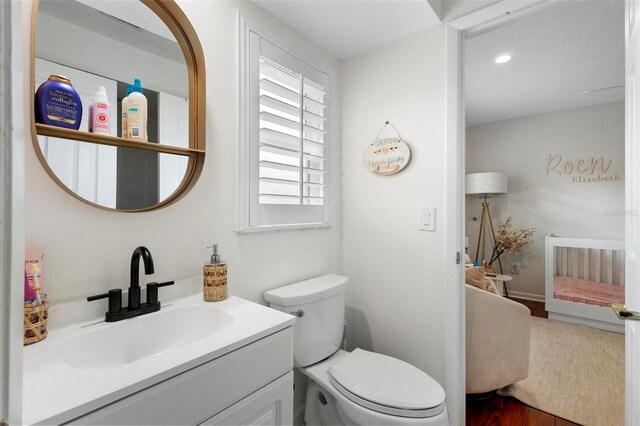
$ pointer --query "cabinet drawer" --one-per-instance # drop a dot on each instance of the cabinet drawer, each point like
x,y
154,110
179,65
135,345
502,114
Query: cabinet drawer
x,y
270,406
197,394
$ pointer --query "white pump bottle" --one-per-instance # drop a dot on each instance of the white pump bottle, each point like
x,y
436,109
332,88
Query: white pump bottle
x,y
134,108
100,113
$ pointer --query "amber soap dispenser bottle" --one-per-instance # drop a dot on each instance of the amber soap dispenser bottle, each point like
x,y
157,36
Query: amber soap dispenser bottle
x,y
214,278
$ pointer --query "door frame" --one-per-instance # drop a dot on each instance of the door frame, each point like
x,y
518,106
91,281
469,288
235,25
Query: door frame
x,y
632,199
458,30
12,178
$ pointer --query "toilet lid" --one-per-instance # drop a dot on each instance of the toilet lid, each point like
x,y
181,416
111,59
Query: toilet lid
x,y
387,384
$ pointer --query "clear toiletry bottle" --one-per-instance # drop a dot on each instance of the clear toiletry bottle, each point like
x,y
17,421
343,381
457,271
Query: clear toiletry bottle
x,y
214,278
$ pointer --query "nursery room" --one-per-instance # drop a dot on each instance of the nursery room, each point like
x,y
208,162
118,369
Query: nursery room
x,y
545,212
316,212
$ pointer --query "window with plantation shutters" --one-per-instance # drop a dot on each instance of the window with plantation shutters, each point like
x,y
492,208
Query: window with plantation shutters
x,y
285,144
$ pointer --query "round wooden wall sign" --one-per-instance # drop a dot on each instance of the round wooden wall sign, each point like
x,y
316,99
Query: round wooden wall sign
x,y
385,157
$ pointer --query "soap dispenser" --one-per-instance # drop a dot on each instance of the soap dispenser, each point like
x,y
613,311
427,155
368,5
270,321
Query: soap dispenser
x,y
214,278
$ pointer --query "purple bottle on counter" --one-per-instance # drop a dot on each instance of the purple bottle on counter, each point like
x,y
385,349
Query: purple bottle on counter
x,y
58,104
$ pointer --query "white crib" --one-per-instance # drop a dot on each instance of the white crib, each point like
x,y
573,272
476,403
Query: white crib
x,y
582,278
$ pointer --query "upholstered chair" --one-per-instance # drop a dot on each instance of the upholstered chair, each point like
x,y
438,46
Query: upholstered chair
x,y
497,341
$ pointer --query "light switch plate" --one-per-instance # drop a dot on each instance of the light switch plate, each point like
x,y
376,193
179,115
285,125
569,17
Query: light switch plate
x,y
427,218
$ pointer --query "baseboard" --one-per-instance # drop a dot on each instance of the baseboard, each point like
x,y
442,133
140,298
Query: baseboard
x,y
602,325
527,296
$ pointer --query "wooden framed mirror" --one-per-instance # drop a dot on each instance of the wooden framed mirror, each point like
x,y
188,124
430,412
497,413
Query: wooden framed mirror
x,y
102,43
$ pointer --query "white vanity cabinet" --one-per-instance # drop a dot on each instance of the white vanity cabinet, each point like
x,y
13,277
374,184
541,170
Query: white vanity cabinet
x,y
271,405
252,385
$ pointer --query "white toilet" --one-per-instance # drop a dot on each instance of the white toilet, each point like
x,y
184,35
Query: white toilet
x,y
357,388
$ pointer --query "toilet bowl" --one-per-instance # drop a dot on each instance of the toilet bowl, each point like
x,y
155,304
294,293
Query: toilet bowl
x,y
357,388
419,400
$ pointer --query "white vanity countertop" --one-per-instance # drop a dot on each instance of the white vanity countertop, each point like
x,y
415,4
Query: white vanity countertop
x,y
56,392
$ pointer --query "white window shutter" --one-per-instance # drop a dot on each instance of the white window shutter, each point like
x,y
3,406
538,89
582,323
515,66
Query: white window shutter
x,y
292,137
288,139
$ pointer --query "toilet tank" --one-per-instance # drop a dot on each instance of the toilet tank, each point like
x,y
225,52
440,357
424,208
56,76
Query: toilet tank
x,y
318,304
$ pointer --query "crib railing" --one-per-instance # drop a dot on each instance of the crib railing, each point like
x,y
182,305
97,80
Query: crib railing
x,y
587,259
582,278
603,265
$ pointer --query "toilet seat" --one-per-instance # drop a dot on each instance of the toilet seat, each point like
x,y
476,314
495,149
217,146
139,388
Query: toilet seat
x,y
387,385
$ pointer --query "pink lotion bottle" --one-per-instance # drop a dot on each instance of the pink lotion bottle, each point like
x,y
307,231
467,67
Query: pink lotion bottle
x,y
100,113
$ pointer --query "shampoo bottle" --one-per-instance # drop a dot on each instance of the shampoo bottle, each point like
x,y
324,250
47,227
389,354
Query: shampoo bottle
x,y
57,103
100,113
214,278
134,113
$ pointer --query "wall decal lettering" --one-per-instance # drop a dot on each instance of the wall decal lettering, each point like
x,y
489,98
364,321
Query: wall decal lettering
x,y
581,170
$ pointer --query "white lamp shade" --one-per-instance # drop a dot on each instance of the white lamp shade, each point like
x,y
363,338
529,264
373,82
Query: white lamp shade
x,y
486,183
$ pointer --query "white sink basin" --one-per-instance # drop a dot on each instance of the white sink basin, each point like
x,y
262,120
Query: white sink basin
x,y
124,342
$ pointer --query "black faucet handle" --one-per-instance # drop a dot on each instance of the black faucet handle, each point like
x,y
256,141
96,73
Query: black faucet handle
x,y
97,297
152,291
115,299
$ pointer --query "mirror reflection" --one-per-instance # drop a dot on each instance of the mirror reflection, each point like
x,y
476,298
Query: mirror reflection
x,y
103,43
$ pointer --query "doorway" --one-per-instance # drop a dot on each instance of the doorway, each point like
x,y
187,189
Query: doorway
x,y
537,144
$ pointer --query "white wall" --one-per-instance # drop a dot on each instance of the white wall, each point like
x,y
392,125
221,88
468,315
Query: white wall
x,y
396,287
88,250
551,203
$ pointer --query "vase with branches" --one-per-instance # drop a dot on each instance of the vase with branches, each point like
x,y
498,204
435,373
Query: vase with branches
x,y
510,240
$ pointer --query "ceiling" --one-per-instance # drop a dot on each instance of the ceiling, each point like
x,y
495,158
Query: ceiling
x,y
556,55
347,28
130,23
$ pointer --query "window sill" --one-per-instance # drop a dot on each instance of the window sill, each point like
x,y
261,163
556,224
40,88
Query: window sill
x,y
281,228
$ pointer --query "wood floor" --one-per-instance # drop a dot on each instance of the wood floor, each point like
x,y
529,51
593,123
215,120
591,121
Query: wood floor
x,y
536,308
507,411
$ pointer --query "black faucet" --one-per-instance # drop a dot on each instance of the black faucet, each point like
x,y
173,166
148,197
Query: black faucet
x,y
116,312
134,286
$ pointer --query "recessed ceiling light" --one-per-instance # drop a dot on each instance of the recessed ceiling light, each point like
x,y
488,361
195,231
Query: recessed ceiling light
x,y
502,59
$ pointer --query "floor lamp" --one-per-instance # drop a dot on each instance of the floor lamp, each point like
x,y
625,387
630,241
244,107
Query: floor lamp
x,y
485,185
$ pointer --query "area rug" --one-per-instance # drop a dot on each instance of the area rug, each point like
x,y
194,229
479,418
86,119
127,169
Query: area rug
x,y
575,372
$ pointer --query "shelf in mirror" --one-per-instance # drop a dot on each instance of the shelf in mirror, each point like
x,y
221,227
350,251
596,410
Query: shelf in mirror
x,y
100,139
157,45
